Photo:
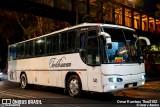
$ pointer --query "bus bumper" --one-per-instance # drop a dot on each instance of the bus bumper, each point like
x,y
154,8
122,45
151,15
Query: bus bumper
x,y
128,82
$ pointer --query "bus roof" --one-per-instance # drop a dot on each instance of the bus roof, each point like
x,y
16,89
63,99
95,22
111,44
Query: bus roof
x,y
79,26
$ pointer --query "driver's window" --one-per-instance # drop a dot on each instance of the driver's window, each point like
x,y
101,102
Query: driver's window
x,y
92,48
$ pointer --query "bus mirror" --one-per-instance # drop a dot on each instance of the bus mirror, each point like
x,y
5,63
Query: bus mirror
x,y
143,41
107,38
109,43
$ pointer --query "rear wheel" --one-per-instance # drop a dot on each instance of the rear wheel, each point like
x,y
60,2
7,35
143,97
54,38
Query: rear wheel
x,y
23,81
74,86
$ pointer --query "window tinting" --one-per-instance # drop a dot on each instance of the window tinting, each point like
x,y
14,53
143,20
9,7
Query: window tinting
x,y
63,42
49,45
29,49
82,40
20,51
92,48
40,46
71,41
118,34
55,44
12,52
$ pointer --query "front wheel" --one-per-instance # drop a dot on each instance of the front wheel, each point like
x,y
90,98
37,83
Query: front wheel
x,y
23,81
74,86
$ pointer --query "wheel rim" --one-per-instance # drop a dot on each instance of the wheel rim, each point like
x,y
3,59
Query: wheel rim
x,y
74,87
23,81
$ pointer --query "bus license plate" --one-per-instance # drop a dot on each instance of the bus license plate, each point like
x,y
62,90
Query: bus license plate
x,y
130,85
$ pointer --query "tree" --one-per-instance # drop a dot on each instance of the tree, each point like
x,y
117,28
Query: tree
x,y
157,13
16,27
9,27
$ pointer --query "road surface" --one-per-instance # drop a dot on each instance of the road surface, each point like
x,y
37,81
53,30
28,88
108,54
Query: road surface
x,y
54,97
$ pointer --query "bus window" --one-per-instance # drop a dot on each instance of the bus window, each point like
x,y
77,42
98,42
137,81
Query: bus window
x,y
82,40
82,46
13,52
55,44
63,42
29,49
49,45
71,41
20,50
40,46
92,48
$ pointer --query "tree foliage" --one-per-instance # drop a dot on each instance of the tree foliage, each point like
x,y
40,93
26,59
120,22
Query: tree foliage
x,y
17,26
157,13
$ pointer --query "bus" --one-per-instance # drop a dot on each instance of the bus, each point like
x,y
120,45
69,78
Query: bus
x,y
90,57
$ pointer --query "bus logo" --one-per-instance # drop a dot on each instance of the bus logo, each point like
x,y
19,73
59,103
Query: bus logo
x,y
54,62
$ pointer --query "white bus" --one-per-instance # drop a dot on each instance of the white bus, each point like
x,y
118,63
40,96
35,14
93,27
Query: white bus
x,y
89,57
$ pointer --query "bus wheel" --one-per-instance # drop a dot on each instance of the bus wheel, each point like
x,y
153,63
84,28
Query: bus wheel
x,y
74,86
23,82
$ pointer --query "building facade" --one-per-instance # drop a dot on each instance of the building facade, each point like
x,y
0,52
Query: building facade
x,y
123,12
128,13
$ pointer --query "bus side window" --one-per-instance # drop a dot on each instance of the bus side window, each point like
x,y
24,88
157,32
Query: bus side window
x,y
12,52
56,44
71,41
63,42
40,47
49,45
29,49
82,40
92,48
82,46
32,48
20,50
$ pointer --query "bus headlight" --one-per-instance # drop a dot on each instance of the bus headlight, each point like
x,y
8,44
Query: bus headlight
x,y
143,77
1,74
115,79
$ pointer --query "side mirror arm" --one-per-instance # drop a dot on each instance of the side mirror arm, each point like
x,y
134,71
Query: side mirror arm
x,y
145,39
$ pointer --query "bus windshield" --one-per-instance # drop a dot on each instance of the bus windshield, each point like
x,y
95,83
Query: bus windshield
x,y
123,48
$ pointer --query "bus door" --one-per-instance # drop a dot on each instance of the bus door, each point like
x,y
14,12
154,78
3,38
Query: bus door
x,y
91,57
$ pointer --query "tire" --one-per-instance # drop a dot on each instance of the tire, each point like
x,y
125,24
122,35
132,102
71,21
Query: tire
x,y
74,87
23,81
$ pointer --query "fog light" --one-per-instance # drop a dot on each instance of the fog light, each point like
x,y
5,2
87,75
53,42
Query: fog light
x,y
1,74
113,87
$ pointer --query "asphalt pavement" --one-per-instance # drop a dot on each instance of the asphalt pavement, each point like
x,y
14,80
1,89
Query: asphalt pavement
x,y
152,84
